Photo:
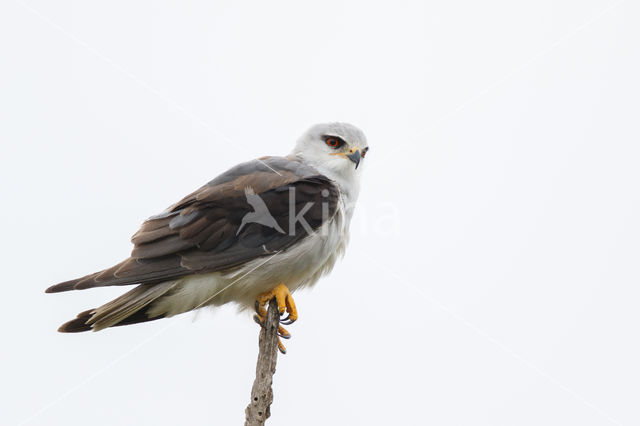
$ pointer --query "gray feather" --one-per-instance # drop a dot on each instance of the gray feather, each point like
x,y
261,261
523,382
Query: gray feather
x,y
128,304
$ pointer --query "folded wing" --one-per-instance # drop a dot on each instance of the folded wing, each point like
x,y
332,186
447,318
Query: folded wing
x,y
199,234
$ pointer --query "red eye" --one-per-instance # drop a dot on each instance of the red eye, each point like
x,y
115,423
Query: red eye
x,y
333,143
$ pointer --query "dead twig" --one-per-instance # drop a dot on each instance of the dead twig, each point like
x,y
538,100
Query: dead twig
x,y
259,409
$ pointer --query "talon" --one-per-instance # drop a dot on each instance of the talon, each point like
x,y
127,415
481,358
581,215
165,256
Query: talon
x,y
281,347
283,333
258,320
260,310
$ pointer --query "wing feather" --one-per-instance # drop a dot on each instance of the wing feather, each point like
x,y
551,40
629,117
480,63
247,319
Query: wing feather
x,y
202,232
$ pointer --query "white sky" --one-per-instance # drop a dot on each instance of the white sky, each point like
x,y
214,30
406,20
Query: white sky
x,y
493,273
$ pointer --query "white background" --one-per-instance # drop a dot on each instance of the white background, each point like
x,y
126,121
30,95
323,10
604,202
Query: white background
x,y
493,273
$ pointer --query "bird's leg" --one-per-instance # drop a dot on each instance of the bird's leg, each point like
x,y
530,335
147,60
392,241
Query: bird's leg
x,y
285,303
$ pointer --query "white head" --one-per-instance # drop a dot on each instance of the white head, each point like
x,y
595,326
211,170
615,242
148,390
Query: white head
x,y
336,149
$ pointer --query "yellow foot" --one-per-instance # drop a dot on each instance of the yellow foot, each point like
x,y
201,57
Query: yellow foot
x,y
285,303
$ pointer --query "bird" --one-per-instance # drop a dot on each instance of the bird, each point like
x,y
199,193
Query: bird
x,y
261,230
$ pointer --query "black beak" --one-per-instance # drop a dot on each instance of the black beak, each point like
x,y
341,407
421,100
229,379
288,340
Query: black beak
x,y
355,156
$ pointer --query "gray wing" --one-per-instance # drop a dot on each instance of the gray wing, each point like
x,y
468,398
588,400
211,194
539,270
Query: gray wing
x,y
200,233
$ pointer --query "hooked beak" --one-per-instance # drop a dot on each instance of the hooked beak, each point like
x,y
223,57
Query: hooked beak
x,y
355,156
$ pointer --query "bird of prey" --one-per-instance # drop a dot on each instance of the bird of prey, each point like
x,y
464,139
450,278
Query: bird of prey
x,y
263,229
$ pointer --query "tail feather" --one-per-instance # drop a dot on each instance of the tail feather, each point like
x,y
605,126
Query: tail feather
x,y
78,324
130,308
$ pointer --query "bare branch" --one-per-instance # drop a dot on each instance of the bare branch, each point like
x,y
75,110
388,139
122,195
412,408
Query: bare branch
x,y
259,409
